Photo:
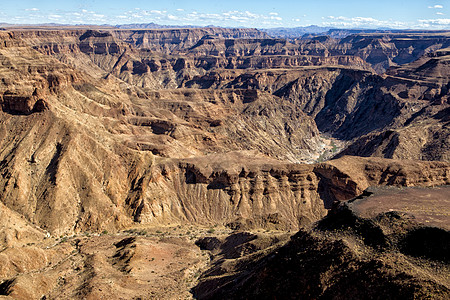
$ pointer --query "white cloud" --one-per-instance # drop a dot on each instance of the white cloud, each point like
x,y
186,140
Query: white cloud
x,y
362,22
32,9
232,18
436,6
445,22
228,18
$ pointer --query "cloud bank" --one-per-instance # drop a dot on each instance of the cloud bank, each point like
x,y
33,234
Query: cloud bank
x,y
232,18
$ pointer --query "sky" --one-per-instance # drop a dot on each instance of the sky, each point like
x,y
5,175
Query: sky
x,y
397,14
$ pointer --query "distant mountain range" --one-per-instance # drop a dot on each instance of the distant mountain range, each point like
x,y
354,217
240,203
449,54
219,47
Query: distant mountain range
x,y
313,31
155,26
286,32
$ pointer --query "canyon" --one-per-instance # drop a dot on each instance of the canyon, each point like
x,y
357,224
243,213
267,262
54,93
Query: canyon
x,y
178,163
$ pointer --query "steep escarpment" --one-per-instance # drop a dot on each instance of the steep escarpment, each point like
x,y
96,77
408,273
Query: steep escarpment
x,y
84,183
399,49
262,193
173,40
369,51
421,130
381,50
25,87
103,52
427,138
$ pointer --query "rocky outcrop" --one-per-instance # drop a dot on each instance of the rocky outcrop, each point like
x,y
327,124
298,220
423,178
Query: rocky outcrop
x,y
421,127
344,255
431,68
94,42
424,139
348,176
98,266
219,188
27,86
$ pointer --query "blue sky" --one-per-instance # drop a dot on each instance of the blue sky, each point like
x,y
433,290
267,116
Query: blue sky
x,y
401,14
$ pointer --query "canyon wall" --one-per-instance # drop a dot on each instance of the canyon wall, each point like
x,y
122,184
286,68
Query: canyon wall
x,y
89,142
